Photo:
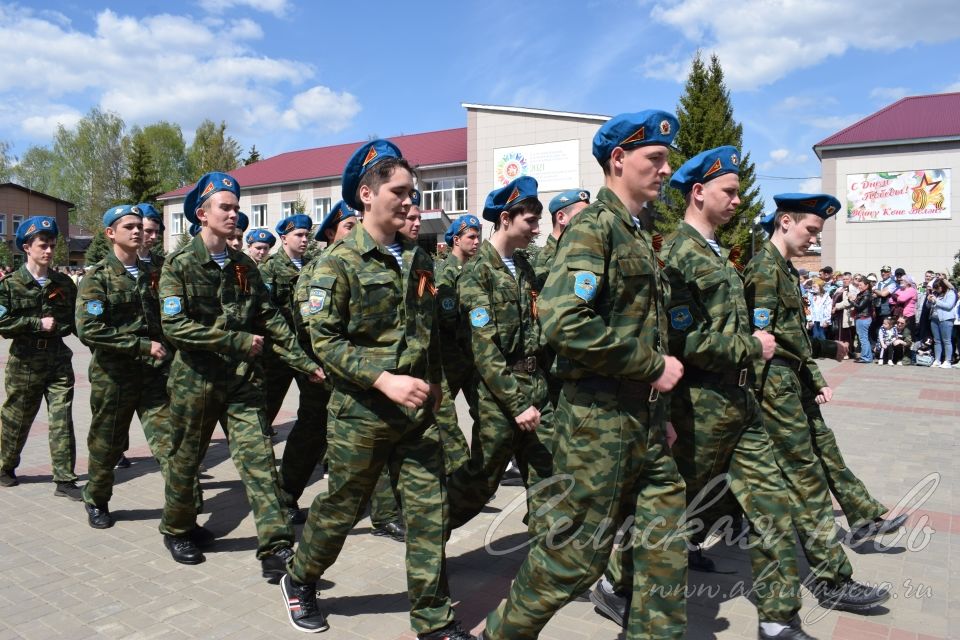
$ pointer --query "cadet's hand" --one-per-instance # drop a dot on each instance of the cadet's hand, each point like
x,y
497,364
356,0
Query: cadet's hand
x,y
157,351
842,351
767,343
317,376
529,419
671,434
257,347
825,395
406,391
437,392
672,372
48,324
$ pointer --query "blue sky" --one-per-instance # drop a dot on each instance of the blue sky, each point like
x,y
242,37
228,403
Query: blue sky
x,y
290,74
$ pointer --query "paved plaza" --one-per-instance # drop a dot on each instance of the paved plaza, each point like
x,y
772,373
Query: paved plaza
x,y
62,579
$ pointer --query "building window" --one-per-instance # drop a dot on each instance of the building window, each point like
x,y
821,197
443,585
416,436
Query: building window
x,y
16,222
258,216
3,224
176,223
288,208
321,207
449,194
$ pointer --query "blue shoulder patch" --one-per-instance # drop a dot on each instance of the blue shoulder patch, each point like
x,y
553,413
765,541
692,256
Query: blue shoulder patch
x,y
3,311
761,318
447,304
95,307
172,305
585,285
479,317
681,318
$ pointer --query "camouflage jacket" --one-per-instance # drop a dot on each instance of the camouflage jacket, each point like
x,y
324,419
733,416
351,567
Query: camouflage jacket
x,y
23,302
709,323
117,312
156,261
542,262
365,315
454,343
281,275
500,315
602,307
216,312
775,304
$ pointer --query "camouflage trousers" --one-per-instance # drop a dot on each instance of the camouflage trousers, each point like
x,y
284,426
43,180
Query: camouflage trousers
x,y
307,441
201,394
856,502
31,376
497,438
385,500
803,473
456,452
611,462
121,386
367,432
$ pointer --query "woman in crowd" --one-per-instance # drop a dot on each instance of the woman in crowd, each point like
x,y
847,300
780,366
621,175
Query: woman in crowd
x,y
943,300
904,301
863,315
842,318
821,310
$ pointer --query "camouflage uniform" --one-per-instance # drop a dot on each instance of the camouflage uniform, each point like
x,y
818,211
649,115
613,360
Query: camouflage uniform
x,y
368,316
39,366
787,385
210,315
603,313
118,316
543,261
717,417
500,314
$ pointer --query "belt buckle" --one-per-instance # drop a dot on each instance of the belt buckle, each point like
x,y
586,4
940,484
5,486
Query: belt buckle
x,y
743,377
41,343
654,395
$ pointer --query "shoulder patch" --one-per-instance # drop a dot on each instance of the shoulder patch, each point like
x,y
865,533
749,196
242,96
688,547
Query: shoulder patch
x,y
172,305
479,317
448,303
681,318
304,309
95,307
761,318
318,297
3,311
585,285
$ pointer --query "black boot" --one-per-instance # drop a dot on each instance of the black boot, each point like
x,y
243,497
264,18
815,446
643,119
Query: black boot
x,y
610,604
878,527
452,631
794,631
183,549
295,515
68,489
8,478
699,562
123,462
303,611
394,530
850,596
98,517
274,566
202,537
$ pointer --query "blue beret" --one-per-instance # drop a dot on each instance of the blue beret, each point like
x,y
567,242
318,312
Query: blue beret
x,y
242,221
261,235
194,229
523,188
115,213
150,212
360,162
461,224
820,204
340,211
291,223
567,198
206,186
706,166
629,130
415,198
34,225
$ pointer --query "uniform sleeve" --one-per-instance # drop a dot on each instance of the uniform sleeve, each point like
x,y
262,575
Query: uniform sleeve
x,y
187,334
571,323
64,311
92,313
763,301
481,325
13,325
269,320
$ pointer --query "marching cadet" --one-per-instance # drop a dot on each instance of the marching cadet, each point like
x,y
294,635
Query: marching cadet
x,y
235,241
216,312
498,297
411,227
562,207
371,320
790,388
36,312
306,443
152,228
118,317
259,243
602,311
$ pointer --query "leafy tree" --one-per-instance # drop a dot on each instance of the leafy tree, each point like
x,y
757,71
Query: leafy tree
x,y
61,252
706,120
253,156
183,240
141,182
212,150
6,256
6,162
36,170
98,249
168,153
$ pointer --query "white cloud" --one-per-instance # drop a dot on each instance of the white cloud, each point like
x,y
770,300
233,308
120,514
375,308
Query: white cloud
x,y
834,123
779,155
952,87
157,67
810,185
889,94
761,41
278,8
782,157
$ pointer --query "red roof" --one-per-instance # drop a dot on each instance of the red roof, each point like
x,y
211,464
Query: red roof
x,y
932,116
420,149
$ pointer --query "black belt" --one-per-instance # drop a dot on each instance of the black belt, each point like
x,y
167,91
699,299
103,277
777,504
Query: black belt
x,y
601,384
786,362
39,344
736,378
526,364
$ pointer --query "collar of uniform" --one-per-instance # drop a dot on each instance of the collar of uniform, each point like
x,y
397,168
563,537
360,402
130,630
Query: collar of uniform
x,y
25,276
697,237
551,241
454,261
613,202
203,254
118,266
366,243
491,256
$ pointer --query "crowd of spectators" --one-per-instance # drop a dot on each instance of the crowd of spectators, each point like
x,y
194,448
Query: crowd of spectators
x,y
891,320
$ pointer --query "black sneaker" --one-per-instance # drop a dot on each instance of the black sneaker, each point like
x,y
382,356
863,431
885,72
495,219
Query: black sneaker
x,y
274,566
610,604
183,549
123,462
98,517
794,631
452,631
878,527
69,489
302,608
850,596
393,530
295,514
8,478
511,477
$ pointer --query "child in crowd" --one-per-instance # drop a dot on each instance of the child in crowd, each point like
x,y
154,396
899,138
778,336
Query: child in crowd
x,y
885,338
